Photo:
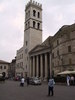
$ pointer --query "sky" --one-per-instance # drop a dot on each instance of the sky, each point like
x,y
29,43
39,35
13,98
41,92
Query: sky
x,y
55,14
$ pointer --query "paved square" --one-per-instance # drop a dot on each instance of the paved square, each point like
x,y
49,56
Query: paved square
x,y
10,90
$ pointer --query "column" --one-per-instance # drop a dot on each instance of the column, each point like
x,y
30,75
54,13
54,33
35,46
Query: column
x,y
41,63
37,65
30,67
34,66
46,66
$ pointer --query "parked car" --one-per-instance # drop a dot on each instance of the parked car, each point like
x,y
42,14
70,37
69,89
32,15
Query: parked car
x,y
1,77
35,81
18,78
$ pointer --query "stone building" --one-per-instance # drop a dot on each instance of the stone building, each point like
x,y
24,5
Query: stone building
x,y
40,60
55,54
63,49
32,35
12,68
33,30
4,67
19,70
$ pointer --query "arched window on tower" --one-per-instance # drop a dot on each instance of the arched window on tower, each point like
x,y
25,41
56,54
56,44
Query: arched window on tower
x,y
38,25
38,15
34,23
28,13
34,13
26,43
28,24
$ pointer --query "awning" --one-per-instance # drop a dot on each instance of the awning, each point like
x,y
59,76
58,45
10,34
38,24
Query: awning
x,y
72,72
66,72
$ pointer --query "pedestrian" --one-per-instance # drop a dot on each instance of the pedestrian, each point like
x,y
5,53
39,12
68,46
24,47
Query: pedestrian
x,y
51,86
72,80
22,81
68,80
27,81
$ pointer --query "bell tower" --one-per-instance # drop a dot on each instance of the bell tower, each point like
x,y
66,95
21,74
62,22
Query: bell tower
x,y
32,30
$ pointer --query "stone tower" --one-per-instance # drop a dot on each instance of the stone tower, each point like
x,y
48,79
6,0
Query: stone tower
x,y
32,31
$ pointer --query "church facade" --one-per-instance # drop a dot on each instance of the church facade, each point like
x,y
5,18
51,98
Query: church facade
x,y
55,54
42,59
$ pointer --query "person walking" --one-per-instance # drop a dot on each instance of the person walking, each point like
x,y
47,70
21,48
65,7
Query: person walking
x,y
22,81
68,80
51,86
72,80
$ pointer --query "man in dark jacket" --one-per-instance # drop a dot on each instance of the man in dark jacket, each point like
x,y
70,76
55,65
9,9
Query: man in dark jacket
x,y
51,86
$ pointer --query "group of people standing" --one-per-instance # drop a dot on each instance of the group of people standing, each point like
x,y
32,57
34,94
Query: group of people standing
x,y
50,85
70,80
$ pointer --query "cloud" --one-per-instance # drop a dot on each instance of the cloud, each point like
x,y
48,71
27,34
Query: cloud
x,y
59,2
57,13
18,22
1,8
11,28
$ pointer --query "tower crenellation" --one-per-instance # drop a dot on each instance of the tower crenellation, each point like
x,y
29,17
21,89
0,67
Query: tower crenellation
x,y
34,3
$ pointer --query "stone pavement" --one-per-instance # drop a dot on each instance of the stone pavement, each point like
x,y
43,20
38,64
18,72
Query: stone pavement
x,y
10,90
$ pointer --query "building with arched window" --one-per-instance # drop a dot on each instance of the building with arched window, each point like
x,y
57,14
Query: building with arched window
x,y
4,68
42,59
32,36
